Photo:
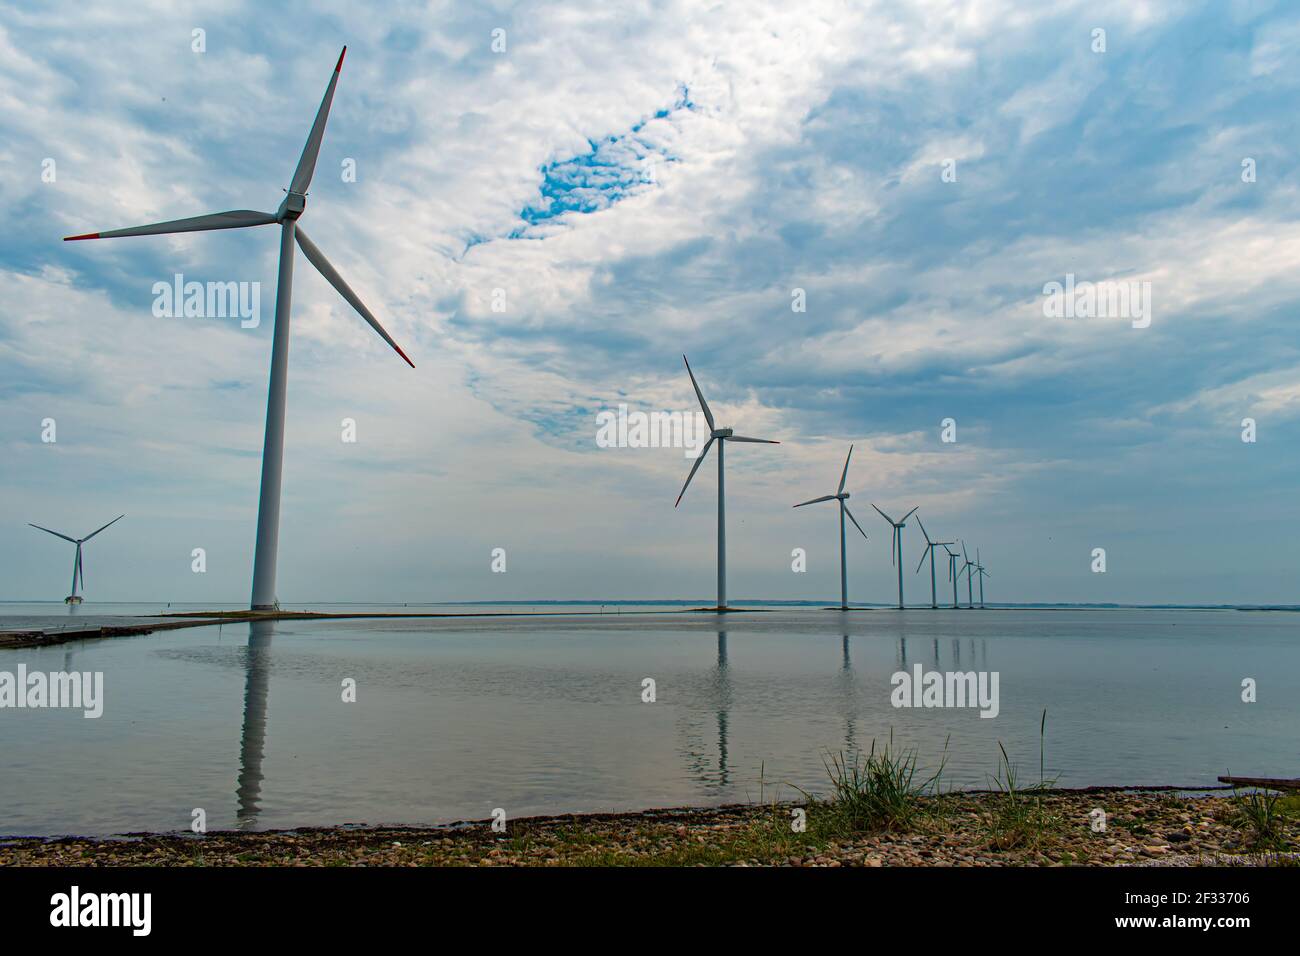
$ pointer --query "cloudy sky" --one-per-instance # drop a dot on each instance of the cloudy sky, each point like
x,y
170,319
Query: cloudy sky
x,y
554,201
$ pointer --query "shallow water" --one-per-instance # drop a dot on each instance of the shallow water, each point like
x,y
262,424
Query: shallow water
x,y
454,718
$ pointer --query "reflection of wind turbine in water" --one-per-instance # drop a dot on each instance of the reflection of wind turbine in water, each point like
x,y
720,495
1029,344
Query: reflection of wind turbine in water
x,y
714,697
724,704
252,741
849,695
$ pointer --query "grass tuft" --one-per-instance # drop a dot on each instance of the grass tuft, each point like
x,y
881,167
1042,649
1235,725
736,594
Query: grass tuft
x,y
1018,817
1261,814
873,792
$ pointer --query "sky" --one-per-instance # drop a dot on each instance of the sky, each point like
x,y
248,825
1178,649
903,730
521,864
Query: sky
x,y
549,204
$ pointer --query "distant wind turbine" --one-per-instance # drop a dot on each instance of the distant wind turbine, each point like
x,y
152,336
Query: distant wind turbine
x,y
721,436
77,571
841,496
286,217
896,547
929,549
980,570
953,573
966,569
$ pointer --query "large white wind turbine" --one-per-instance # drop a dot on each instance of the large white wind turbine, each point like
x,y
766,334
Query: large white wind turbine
x,y
77,572
721,436
953,573
286,217
841,496
966,569
929,549
896,547
980,570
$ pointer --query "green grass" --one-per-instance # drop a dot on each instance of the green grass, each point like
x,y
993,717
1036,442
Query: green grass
x,y
1262,816
1018,817
878,791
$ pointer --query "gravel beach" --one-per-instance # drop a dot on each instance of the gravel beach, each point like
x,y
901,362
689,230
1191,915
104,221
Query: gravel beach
x,y
963,829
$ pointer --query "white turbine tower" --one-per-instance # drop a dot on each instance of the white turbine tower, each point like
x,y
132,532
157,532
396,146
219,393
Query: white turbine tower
x,y
721,436
286,217
841,496
896,547
966,569
77,572
980,570
929,549
953,573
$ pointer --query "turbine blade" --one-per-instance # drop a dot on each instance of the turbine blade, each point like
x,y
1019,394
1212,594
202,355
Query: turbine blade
x,y
815,500
81,571
317,258
307,162
694,468
708,415
95,532
855,521
924,533
924,552
757,441
893,545
844,474
55,533
883,515
234,219
908,515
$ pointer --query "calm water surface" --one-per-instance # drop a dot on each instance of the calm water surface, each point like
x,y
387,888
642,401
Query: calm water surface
x,y
454,718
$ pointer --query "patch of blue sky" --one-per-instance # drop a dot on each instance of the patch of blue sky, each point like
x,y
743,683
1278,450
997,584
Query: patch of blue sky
x,y
613,168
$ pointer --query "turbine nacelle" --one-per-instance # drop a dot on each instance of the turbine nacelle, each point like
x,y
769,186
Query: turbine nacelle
x,y
722,433
292,207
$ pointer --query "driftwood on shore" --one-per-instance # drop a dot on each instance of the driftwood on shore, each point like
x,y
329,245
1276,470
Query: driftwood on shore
x,y
1268,783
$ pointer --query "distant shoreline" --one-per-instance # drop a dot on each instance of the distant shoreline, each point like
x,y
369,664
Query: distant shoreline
x,y
141,624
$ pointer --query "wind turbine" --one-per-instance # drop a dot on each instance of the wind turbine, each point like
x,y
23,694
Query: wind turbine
x,y
77,571
721,436
966,568
841,496
929,549
952,572
979,569
286,217
896,547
